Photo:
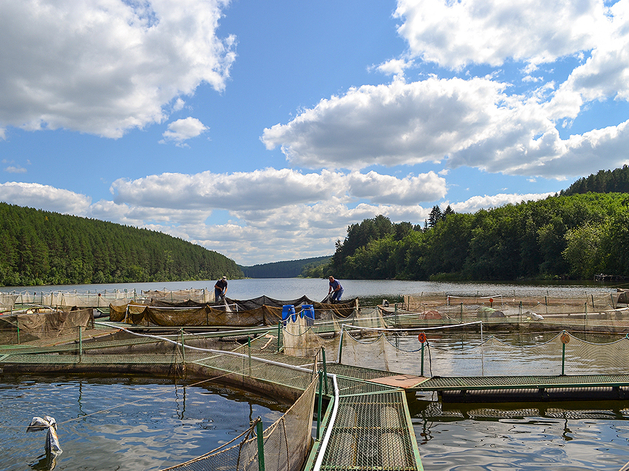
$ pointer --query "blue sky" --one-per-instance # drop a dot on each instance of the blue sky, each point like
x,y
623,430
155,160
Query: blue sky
x,y
262,130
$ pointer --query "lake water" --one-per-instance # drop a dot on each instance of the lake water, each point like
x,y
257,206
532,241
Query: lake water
x,y
522,436
120,424
317,289
160,423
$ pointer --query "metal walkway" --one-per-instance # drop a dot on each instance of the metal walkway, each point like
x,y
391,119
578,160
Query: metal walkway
x,y
538,388
521,382
372,429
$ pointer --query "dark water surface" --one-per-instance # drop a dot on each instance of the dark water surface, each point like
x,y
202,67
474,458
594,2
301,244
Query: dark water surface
x,y
522,436
121,424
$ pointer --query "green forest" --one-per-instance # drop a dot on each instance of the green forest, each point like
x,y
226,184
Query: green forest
x,y
285,269
573,235
43,248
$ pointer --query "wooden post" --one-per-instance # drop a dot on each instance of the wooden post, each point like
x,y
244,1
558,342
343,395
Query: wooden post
x,y
183,348
80,343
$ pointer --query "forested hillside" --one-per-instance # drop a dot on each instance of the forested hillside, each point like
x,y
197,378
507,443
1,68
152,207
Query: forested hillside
x,y
560,237
39,247
286,269
605,181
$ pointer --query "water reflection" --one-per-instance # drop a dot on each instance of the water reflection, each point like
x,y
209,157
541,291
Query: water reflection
x,y
524,436
47,462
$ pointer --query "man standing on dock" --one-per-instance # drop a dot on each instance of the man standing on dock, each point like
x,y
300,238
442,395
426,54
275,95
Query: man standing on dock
x,y
220,288
336,289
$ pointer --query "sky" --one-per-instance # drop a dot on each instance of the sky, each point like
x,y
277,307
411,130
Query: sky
x,y
262,130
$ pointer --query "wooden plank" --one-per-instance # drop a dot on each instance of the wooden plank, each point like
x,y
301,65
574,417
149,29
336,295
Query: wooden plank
x,y
400,381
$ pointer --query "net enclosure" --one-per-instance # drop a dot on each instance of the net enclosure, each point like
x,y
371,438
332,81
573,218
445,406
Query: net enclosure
x,y
248,313
284,445
37,324
465,350
547,306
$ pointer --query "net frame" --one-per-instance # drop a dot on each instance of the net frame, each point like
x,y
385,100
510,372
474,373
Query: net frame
x,y
396,350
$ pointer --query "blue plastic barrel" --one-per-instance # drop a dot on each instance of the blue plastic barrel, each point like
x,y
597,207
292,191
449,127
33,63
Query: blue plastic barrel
x,y
307,310
287,311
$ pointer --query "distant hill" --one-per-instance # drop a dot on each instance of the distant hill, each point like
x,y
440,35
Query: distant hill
x,y
43,248
605,181
286,269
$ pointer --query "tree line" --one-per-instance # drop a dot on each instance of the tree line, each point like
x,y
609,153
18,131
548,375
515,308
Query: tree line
x,y
560,237
605,181
43,248
284,269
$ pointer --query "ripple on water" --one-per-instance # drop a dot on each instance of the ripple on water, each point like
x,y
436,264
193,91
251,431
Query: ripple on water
x,y
121,424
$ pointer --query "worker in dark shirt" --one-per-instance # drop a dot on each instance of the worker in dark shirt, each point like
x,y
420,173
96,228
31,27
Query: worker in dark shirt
x,y
220,288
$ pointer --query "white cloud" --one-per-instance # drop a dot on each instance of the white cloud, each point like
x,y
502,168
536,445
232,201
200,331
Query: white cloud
x,y
394,67
143,216
457,33
183,129
477,203
14,169
106,66
392,124
584,154
267,188
604,75
179,104
473,123
270,188
45,197
387,189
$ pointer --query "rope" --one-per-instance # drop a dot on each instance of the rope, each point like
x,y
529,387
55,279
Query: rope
x,y
114,407
413,328
208,350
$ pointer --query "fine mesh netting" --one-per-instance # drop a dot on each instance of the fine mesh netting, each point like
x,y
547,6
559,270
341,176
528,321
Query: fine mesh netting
x,y
592,309
197,295
204,315
301,337
69,299
286,443
401,352
7,301
18,328
249,313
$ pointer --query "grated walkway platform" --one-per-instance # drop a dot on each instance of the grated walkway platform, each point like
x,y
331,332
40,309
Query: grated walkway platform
x,y
521,382
527,388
